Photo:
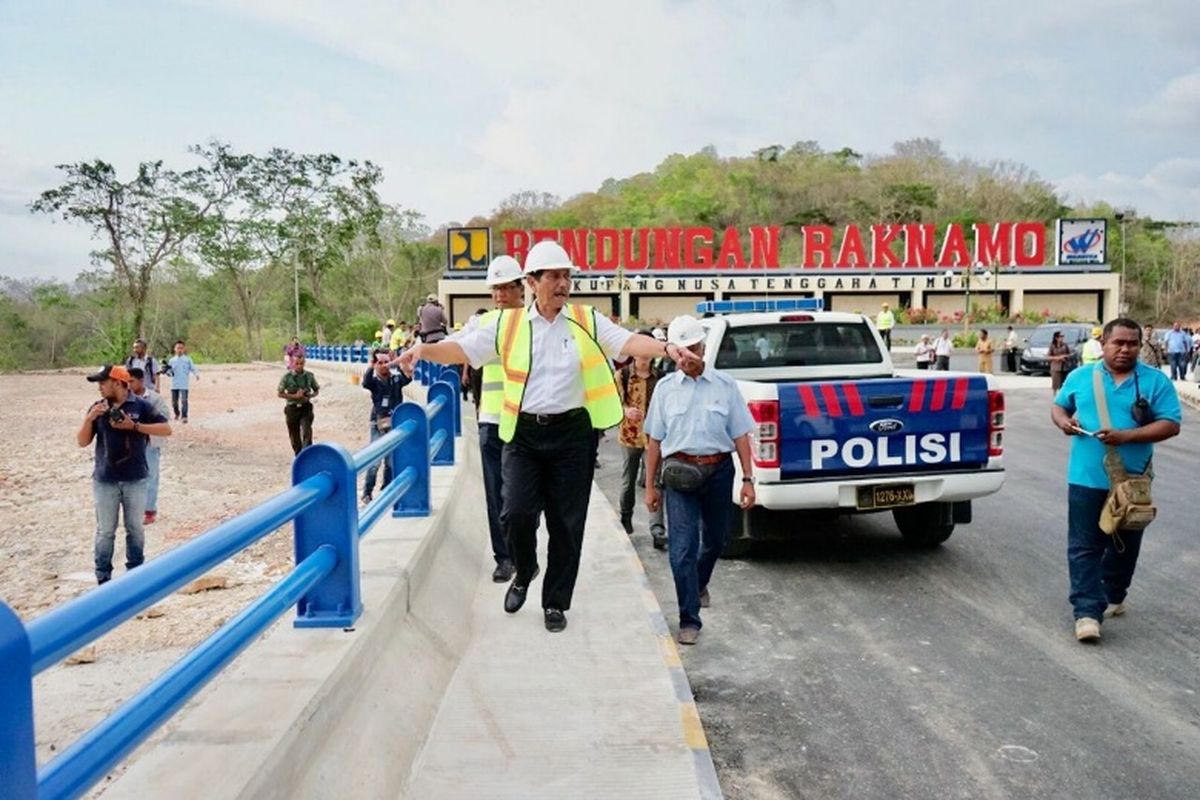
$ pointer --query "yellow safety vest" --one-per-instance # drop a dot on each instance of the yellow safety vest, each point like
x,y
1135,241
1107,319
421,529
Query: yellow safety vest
x,y
514,343
491,392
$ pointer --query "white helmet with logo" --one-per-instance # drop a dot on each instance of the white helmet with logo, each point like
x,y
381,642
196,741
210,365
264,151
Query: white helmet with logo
x,y
547,254
502,270
685,331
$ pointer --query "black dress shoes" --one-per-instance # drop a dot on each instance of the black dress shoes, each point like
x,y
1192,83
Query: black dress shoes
x,y
627,523
555,620
503,572
514,598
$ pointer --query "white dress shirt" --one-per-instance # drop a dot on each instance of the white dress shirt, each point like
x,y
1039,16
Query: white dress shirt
x,y
555,382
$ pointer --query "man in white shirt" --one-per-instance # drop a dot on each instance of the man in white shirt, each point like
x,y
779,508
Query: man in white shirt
x,y
942,349
557,382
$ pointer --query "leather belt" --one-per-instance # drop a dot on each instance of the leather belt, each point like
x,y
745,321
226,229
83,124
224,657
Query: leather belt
x,y
691,459
551,419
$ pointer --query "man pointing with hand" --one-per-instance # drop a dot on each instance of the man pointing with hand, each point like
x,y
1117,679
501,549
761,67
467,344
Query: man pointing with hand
x,y
558,388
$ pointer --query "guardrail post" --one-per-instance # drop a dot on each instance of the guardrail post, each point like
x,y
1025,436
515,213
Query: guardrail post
x,y
425,370
452,375
336,601
18,761
412,452
443,420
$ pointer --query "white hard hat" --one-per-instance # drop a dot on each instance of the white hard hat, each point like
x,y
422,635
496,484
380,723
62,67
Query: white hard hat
x,y
547,254
660,334
685,331
502,270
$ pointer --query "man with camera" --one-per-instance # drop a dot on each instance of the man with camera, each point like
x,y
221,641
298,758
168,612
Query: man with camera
x,y
120,424
386,385
697,419
298,387
1115,410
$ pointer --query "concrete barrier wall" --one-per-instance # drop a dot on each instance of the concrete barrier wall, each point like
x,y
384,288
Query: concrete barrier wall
x,y
338,714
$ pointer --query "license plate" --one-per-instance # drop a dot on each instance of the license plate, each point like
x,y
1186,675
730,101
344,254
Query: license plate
x,y
889,496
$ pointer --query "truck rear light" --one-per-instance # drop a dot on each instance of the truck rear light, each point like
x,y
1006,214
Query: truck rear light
x,y
796,318
764,440
995,423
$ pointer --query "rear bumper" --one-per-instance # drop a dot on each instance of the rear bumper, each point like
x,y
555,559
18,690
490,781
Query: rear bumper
x,y
841,493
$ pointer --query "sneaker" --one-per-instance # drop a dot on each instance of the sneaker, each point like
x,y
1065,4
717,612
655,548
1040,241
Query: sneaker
x,y
149,517
1115,610
688,635
184,420
660,541
627,523
1087,629
705,600
367,497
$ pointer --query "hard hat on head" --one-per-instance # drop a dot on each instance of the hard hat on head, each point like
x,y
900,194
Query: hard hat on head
x,y
433,298
392,322
378,334
502,270
685,331
547,254
1097,332
660,334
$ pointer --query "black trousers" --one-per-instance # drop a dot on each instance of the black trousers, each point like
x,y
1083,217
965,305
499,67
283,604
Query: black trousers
x,y
548,467
299,425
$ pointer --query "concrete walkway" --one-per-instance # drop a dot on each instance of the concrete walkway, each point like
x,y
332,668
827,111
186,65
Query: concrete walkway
x,y
601,710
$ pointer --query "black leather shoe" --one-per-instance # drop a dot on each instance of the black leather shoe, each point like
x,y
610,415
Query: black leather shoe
x,y
514,598
503,572
627,523
555,620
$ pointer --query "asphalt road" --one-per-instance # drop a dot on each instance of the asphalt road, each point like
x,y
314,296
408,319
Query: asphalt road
x,y
844,664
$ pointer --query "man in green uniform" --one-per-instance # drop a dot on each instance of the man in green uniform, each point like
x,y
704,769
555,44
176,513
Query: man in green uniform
x,y
298,388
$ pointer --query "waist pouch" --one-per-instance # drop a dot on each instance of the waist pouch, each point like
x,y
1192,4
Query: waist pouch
x,y
1129,506
684,476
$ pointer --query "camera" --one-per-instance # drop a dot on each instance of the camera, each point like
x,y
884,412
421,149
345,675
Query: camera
x,y
116,415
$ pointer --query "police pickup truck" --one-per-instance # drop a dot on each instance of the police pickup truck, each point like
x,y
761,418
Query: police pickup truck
x,y
840,430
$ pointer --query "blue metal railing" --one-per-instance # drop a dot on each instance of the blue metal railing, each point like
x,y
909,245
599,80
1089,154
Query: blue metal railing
x,y
324,586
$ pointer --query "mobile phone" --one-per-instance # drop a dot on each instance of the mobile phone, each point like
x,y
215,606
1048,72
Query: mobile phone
x,y
1086,432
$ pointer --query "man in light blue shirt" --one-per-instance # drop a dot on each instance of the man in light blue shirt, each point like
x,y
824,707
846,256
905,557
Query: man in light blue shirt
x,y
1179,349
181,368
1143,409
697,417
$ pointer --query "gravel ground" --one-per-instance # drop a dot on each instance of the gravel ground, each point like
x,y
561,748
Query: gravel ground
x,y
233,454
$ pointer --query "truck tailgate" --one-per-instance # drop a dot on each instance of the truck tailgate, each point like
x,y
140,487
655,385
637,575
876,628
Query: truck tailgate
x,y
883,426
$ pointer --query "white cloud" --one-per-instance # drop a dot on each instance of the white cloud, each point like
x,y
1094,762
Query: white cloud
x,y
1175,107
1170,190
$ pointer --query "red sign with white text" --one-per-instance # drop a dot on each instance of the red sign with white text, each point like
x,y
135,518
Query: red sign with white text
x,y
883,246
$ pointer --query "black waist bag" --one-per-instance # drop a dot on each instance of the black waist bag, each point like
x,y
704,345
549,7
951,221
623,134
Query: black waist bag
x,y
684,476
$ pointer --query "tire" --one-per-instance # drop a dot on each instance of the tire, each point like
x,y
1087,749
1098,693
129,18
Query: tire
x,y
925,525
740,544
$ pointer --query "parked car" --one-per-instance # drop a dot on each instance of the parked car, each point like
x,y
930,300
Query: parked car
x,y
1035,359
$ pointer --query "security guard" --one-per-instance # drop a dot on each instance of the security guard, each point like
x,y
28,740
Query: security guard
x,y
885,320
507,285
558,386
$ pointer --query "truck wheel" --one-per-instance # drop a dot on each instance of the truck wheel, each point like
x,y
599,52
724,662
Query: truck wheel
x,y
740,543
925,525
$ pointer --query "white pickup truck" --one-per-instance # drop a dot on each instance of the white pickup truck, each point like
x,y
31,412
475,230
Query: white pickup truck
x,y
839,430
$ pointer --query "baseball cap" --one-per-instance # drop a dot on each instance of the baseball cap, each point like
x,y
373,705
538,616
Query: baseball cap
x,y
685,331
117,373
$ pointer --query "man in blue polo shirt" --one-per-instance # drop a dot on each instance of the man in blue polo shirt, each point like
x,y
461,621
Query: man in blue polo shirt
x,y
120,424
1143,409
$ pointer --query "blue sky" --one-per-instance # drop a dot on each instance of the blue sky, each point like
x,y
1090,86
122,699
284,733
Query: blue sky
x,y
463,104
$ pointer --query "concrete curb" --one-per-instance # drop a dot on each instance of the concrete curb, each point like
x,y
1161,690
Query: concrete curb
x,y
323,713
693,728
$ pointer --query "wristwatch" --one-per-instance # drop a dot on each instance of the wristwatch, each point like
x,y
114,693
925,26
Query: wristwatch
x,y
747,479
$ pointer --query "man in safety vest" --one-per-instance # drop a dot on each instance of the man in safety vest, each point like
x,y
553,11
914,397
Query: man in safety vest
x,y
1093,350
507,285
885,320
557,387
